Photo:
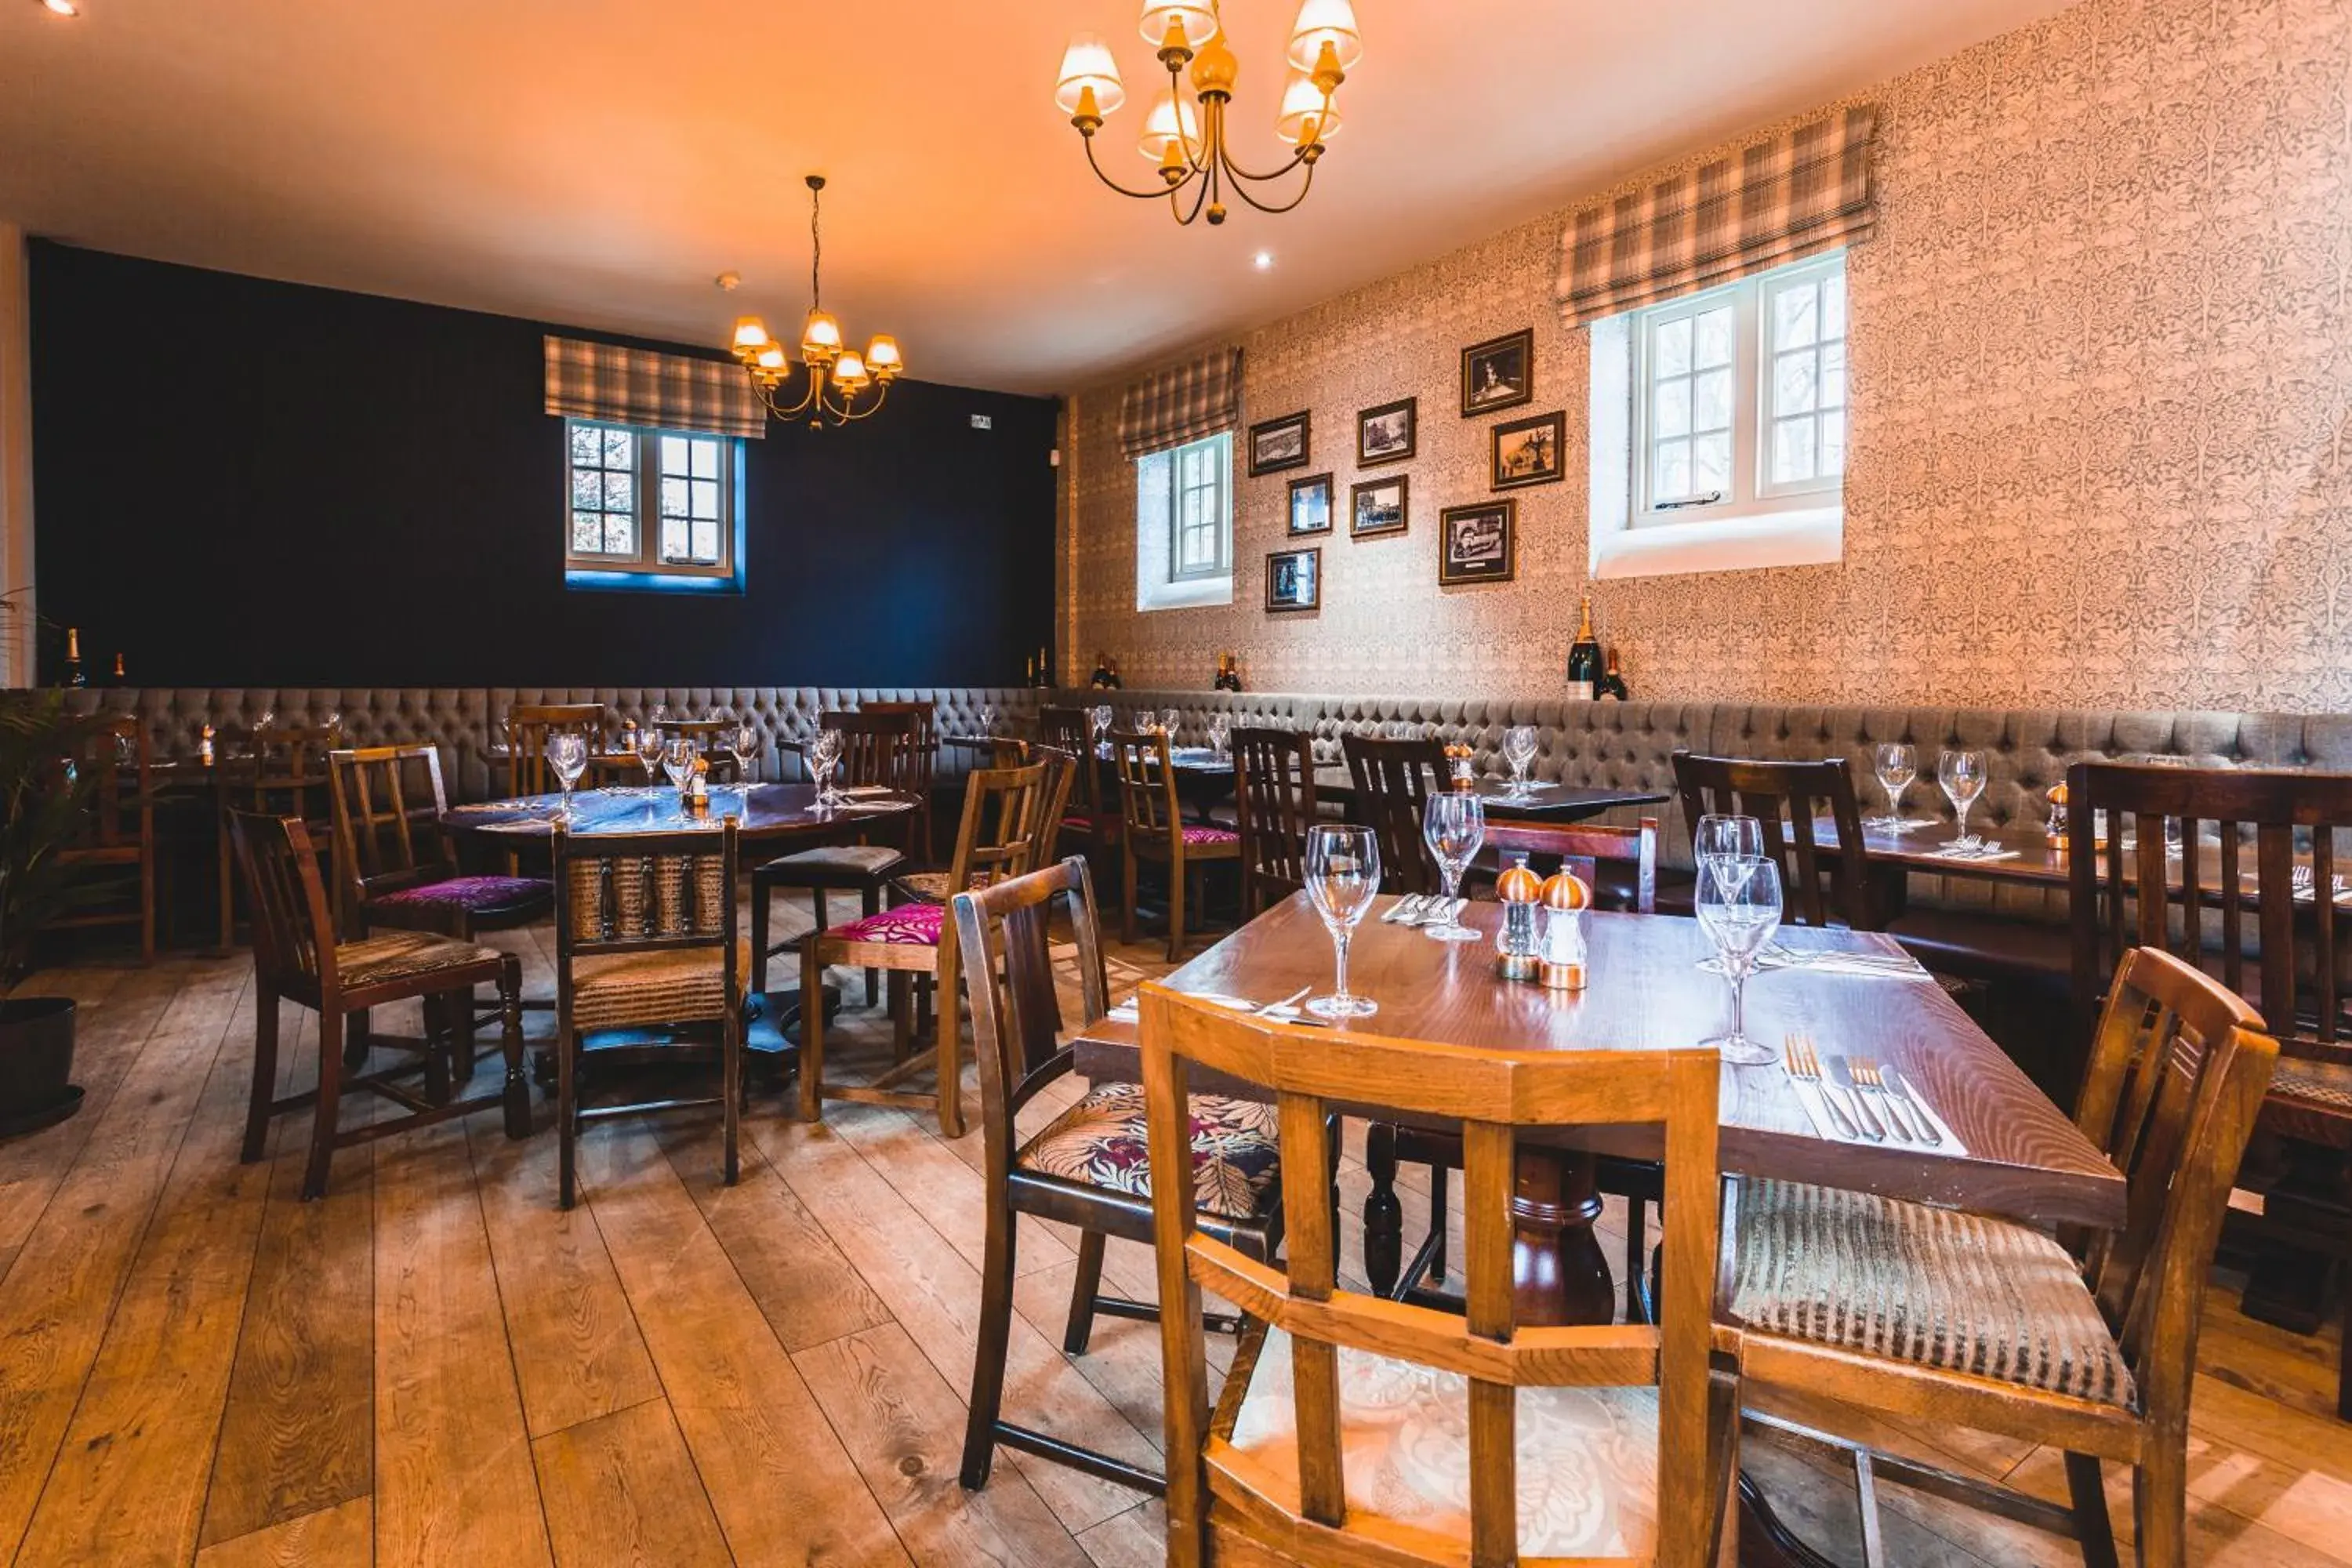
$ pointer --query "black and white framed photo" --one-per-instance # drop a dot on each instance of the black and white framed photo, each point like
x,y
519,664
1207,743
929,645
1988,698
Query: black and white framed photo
x,y
1478,543
1294,580
1528,451
1379,506
1310,505
1498,373
1278,444
1386,433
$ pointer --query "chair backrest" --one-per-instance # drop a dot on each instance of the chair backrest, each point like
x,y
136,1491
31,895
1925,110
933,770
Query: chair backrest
x,y
1393,778
1273,806
879,748
1002,930
283,768
1004,827
1583,847
2179,1067
112,750
388,807
637,892
528,726
1494,1095
293,932
1147,784
925,745
1787,797
2276,860
1069,729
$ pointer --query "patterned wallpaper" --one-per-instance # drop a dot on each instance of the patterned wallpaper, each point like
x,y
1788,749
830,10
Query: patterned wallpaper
x,y
2101,392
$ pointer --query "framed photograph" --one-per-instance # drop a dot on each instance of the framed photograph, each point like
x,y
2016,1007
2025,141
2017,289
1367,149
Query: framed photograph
x,y
1278,444
1377,506
1498,373
1528,451
1294,580
1386,433
1478,543
1310,505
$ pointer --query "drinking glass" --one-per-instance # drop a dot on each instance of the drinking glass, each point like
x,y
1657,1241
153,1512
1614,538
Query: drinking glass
x,y
1343,876
333,723
1962,777
743,740
1221,733
649,753
1738,904
1519,751
1725,836
568,755
1897,764
1100,718
1454,825
2171,823
1168,724
987,719
823,753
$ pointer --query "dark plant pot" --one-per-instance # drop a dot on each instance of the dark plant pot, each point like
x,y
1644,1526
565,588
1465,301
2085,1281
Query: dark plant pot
x,y
37,1041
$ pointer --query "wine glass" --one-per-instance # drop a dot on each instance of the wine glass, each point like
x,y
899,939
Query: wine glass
x,y
743,741
1454,825
1739,905
824,754
568,755
2171,823
988,719
1100,716
1221,733
1726,836
1897,763
333,723
1519,751
1962,777
678,762
1343,876
1168,724
649,754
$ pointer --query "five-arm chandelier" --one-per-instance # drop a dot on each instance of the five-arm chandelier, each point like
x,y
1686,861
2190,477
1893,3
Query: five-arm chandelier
x,y
838,376
1185,136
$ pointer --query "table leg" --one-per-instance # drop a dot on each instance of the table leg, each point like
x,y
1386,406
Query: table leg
x,y
1559,1270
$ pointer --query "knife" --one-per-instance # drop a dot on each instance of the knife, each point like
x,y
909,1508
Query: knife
x,y
1844,1078
1903,1086
1404,910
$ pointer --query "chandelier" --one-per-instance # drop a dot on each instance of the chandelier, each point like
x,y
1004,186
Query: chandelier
x,y
838,376
1185,135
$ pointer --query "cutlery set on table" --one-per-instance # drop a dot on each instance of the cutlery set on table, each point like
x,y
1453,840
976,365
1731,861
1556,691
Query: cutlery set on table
x,y
1423,909
1858,1099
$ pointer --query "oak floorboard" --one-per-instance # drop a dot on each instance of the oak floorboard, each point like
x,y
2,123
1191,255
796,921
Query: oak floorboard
x,y
343,1536
620,1492
903,1426
62,1291
784,1490
129,1484
577,1351
1136,1538
454,1481
952,1196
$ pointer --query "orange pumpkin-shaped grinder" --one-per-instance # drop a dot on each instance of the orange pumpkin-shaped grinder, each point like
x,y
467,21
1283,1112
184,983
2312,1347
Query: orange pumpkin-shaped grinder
x,y
1518,885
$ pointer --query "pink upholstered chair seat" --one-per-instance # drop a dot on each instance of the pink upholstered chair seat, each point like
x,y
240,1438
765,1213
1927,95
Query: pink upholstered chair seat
x,y
1202,833
910,925
472,894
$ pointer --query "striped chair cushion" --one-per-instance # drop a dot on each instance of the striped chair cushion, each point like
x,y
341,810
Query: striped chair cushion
x,y
1100,1140
667,985
403,955
1956,1292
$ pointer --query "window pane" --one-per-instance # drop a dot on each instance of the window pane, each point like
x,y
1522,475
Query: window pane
x,y
620,536
1673,481
585,446
587,532
673,496
1833,443
1675,347
620,449
1833,304
1792,383
1714,337
705,542
706,499
673,539
1792,449
706,459
1671,408
1711,407
620,493
1711,463
587,488
1794,319
1832,389
673,453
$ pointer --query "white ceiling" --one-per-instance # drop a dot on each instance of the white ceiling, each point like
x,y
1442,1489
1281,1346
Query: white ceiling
x,y
597,163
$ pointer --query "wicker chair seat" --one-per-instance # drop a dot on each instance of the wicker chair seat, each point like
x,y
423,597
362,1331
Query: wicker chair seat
x,y
2325,1084
1955,1292
681,985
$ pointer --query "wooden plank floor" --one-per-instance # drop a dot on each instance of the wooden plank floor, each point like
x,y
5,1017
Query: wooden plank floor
x,y
435,1365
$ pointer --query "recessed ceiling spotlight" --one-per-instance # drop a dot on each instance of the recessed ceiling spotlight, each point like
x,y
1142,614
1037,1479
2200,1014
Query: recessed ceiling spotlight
x,y
62,7
1264,259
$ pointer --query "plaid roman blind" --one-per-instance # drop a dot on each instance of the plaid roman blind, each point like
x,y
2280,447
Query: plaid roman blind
x,y
1789,197
1181,403
638,386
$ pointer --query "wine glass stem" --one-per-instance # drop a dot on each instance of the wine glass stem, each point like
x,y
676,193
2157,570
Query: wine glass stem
x,y
1738,1002
1339,944
1894,803
1961,812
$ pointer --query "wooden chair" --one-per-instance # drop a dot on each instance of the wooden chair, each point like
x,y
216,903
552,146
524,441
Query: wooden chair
x,y
281,773
709,737
1335,1439
646,939
1955,1320
1090,821
1787,797
1002,833
1152,828
877,750
297,958
528,729
2248,906
1393,779
118,847
923,765
1583,848
1085,1168
1273,806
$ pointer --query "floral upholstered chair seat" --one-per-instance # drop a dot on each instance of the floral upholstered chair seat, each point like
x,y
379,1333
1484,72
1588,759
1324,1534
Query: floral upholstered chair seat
x,y
472,894
1200,835
910,925
1100,1140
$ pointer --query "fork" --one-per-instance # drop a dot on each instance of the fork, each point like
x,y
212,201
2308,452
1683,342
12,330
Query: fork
x,y
1406,911
1864,1071
1799,1062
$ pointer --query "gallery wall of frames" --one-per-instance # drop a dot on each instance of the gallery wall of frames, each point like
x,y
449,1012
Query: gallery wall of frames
x,y
1415,452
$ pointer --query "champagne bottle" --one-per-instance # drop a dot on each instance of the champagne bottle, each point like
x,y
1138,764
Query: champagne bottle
x,y
1229,673
1031,676
118,669
1613,685
1584,657
74,676
1044,678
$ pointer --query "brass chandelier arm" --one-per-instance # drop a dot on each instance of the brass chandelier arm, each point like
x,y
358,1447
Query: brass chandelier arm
x,y
1242,175
1122,190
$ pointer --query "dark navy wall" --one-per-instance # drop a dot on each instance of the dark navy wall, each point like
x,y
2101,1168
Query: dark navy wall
x,y
246,483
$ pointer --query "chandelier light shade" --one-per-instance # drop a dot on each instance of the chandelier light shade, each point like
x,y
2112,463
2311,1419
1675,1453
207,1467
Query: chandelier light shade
x,y
838,376
1183,134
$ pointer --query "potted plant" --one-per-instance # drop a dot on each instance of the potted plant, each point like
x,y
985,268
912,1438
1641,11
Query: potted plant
x,y
47,802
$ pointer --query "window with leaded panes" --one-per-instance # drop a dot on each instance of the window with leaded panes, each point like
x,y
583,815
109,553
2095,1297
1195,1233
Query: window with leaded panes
x,y
645,500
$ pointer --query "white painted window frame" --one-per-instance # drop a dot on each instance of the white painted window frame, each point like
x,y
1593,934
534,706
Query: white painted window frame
x,y
1159,585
